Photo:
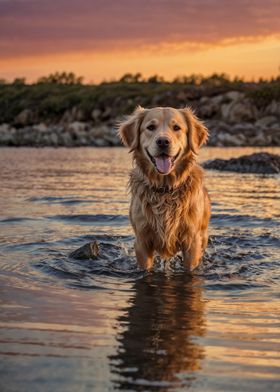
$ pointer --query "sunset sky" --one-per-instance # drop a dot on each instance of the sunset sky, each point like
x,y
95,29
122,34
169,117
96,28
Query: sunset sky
x,y
103,39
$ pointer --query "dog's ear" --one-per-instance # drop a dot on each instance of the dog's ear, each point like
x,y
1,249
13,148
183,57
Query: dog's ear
x,y
129,129
197,131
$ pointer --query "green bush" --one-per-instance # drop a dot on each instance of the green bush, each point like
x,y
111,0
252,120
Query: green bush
x,y
264,93
50,97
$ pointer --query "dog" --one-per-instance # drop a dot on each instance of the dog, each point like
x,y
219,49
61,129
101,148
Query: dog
x,y
170,206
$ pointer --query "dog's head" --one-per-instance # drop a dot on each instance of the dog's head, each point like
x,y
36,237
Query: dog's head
x,y
163,136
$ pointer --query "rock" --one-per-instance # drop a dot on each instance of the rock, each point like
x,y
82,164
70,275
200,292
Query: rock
x,y
104,136
111,136
217,99
275,126
242,134
239,111
25,117
88,251
233,96
53,139
267,121
227,140
106,114
40,127
101,143
225,111
67,117
264,163
25,136
79,114
273,108
208,107
77,127
274,136
72,115
7,135
5,128
45,140
246,129
260,139
204,100
217,126
98,132
96,114
182,96
65,139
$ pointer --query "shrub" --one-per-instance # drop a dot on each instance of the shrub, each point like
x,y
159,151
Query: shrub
x,y
264,93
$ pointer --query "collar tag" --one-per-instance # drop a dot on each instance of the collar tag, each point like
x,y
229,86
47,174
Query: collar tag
x,y
162,190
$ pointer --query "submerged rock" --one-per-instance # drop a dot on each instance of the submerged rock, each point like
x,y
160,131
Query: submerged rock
x,y
88,251
264,163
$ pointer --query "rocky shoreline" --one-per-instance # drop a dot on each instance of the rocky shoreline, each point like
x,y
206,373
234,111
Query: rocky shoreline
x,y
232,119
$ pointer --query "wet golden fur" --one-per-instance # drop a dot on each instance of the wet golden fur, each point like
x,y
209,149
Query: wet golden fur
x,y
178,219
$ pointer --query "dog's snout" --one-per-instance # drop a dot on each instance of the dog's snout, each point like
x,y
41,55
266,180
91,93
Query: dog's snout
x,y
163,142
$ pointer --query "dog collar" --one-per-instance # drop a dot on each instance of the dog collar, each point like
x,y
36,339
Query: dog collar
x,y
162,190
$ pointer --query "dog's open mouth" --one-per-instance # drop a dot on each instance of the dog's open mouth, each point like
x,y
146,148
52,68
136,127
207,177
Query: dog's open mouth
x,y
163,162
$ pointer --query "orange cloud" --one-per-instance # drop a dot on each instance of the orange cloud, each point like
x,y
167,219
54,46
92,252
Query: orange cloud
x,y
105,38
248,59
29,27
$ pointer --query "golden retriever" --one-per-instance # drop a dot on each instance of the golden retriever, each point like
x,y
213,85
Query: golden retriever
x,y
170,206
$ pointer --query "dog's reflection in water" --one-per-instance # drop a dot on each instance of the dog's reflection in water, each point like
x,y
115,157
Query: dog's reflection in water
x,y
159,340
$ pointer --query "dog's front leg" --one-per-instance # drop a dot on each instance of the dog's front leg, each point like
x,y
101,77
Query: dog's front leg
x,y
144,255
192,253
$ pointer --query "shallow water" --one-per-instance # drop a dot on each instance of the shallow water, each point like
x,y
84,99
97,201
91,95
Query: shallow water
x,y
73,325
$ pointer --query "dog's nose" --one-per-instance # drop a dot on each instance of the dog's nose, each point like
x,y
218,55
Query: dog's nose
x,y
163,142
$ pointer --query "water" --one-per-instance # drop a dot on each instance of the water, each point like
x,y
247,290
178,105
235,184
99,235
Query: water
x,y
81,325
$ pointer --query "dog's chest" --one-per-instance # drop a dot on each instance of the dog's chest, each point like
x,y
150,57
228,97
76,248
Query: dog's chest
x,y
166,218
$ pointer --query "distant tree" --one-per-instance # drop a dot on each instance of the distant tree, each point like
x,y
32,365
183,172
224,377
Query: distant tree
x,y
131,78
19,82
155,79
216,80
3,81
193,79
68,78
138,77
238,79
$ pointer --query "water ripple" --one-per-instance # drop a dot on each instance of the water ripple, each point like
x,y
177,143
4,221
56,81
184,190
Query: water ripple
x,y
88,218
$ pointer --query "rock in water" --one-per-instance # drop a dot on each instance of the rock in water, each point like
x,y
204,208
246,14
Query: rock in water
x,y
87,251
263,163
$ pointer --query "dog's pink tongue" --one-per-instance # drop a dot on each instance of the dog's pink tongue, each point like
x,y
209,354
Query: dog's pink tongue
x,y
163,164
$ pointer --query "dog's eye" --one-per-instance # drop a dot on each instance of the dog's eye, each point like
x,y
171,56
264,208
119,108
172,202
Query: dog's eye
x,y
151,127
176,127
